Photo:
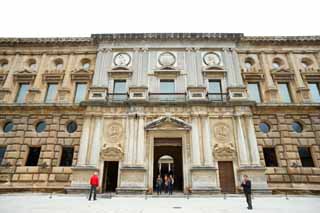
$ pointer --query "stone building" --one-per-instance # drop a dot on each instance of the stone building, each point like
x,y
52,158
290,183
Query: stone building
x,y
206,108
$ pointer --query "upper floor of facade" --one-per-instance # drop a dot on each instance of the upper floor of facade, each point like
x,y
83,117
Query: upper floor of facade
x,y
161,68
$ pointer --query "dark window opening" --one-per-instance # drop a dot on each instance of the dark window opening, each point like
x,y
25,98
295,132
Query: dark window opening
x,y
305,157
41,126
2,152
67,156
72,127
270,157
33,156
8,127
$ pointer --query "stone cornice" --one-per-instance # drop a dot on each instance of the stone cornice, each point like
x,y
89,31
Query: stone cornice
x,y
46,41
281,39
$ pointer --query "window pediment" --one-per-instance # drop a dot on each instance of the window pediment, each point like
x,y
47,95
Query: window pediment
x,y
120,71
167,123
282,74
53,75
25,75
81,74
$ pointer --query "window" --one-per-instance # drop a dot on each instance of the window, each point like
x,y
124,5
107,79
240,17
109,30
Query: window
x,y
254,92
51,93
41,126
2,152
270,157
248,63
297,127
3,63
85,64
306,62
315,91
167,86
277,63
22,93
284,93
33,156
72,127
305,157
33,66
58,64
8,127
120,90
81,90
264,127
67,156
215,90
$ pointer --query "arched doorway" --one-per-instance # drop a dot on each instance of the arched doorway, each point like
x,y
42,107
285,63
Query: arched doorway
x,y
168,160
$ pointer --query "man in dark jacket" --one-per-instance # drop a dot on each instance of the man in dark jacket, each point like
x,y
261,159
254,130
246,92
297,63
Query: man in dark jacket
x,y
246,184
94,183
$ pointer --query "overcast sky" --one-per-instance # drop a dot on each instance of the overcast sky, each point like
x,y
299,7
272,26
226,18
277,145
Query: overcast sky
x,y
48,18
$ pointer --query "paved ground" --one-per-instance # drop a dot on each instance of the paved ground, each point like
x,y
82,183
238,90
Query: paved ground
x,y
36,203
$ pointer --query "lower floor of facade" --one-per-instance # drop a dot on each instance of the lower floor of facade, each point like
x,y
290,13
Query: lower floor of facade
x,y
207,149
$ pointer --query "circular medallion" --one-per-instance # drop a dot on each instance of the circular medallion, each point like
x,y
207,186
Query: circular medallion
x,y
221,131
211,59
122,59
167,59
114,132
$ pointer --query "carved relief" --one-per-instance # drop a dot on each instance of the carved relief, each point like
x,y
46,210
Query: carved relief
x,y
111,153
224,150
221,131
114,132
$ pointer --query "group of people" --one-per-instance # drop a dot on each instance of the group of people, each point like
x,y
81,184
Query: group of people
x,y
166,184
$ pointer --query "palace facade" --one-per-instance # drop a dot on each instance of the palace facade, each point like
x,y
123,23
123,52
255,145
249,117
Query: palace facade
x,y
206,108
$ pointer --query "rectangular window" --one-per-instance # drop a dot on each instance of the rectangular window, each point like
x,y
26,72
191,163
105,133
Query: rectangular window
x,y
67,156
2,152
305,157
51,93
22,93
270,157
167,86
254,92
81,91
33,156
120,90
314,91
284,92
215,90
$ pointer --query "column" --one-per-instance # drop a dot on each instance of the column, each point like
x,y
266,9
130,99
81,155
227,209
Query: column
x,y
243,151
208,158
95,145
266,70
84,141
98,67
229,67
141,142
298,78
195,142
192,81
198,70
254,151
145,67
131,140
40,70
236,68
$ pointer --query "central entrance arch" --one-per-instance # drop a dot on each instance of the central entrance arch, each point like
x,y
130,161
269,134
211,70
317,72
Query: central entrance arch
x,y
168,160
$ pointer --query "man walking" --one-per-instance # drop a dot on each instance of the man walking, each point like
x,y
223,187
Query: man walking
x,y
94,182
246,184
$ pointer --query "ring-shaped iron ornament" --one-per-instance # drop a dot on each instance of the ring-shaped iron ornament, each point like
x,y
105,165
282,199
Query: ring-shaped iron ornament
x,y
211,59
122,59
167,59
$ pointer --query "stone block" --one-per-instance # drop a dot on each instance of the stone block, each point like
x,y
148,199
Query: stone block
x,y
43,177
299,178
306,170
62,177
57,170
316,171
25,177
33,169
15,177
21,169
314,178
12,154
276,178
280,170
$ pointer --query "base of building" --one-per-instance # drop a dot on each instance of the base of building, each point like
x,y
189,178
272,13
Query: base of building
x,y
129,190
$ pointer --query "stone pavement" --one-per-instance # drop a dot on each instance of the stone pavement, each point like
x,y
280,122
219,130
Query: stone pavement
x,y
42,203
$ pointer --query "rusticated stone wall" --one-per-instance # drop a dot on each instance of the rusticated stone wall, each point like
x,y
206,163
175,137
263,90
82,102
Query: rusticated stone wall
x,y
290,174
48,174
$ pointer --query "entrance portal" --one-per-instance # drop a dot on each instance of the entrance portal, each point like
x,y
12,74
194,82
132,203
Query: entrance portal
x,y
110,176
168,160
226,177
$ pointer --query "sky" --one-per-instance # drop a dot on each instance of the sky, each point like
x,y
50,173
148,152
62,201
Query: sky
x,y
70,18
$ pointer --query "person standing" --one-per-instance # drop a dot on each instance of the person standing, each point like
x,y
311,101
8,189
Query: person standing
x,y
246,184
171,183
159,184
94,183
166,183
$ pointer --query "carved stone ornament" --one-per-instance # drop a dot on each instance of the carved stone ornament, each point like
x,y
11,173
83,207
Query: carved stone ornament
x,y
114,132
224,150
221,131
122,59
211,59
167,59
111,153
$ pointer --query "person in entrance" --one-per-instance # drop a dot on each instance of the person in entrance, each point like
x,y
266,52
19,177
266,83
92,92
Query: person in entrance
x,y
246,184
94,183
171,182
159,184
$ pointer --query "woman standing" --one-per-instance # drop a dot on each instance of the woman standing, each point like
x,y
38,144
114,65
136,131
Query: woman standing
x,y
166,183
171,183
159,184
